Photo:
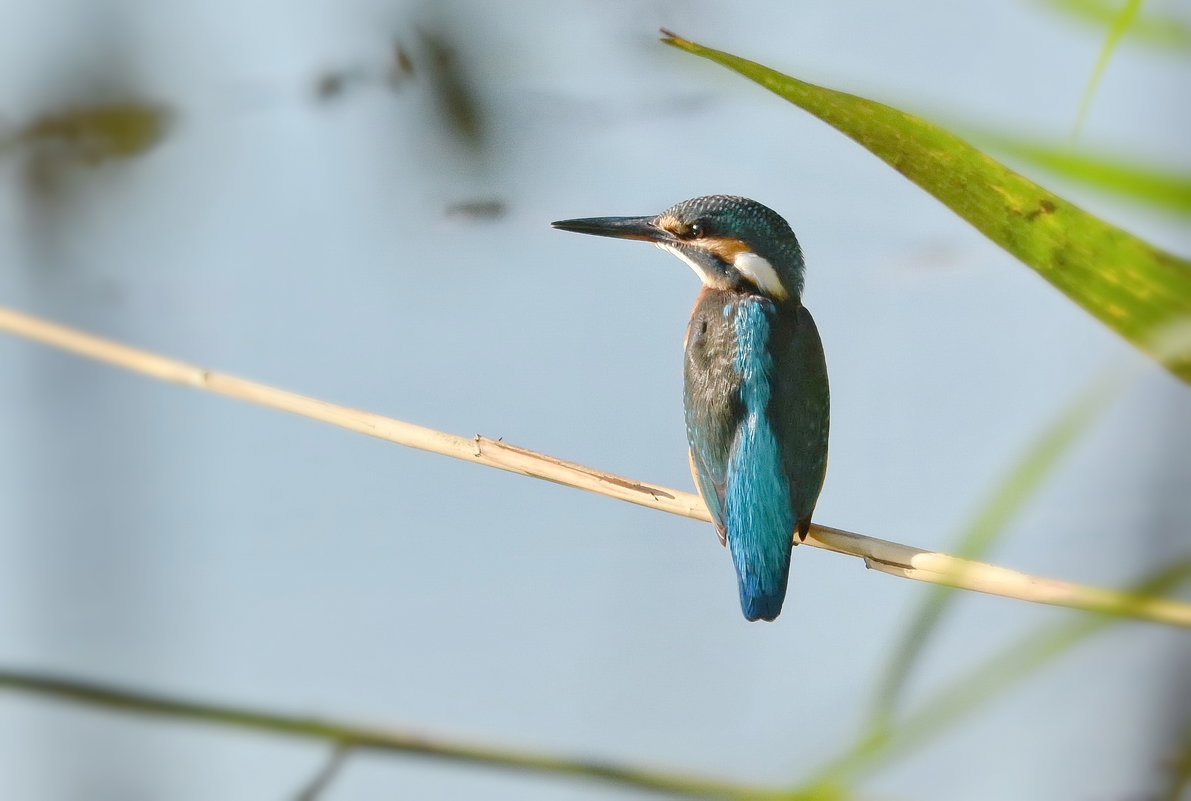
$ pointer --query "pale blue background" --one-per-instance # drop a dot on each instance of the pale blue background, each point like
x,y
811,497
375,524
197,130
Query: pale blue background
x,y
170,540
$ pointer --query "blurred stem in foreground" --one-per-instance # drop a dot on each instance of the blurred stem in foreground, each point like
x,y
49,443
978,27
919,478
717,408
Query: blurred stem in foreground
x,y
1020,484
356,737
965,694
948,707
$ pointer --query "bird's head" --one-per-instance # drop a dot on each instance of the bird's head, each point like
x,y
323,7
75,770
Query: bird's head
x,y
730,242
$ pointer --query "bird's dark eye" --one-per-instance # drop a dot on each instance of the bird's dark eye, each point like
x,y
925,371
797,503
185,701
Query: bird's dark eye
x,y
685,230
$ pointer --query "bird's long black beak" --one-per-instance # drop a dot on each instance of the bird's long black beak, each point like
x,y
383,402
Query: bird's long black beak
x,y
618,227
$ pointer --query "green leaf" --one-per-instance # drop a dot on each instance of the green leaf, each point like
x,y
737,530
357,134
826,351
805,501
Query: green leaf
x,y
1166,32
1139,291
1121,22
1017,487
95,134
964,695
1160,188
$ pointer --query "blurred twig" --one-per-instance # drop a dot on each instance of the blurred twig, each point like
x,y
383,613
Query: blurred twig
x,y
888,557
346,735
326,774
831,783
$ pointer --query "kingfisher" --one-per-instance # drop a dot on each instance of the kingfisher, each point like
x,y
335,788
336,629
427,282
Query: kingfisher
x,y
755,380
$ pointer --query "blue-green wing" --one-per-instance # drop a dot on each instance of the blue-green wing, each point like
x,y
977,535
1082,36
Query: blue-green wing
x,y
800,410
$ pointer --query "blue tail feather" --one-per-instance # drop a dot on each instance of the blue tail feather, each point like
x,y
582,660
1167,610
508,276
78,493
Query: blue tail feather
x,y
760,537
762,583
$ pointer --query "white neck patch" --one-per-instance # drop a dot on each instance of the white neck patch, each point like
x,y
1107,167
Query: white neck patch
x,y
707,278
760,272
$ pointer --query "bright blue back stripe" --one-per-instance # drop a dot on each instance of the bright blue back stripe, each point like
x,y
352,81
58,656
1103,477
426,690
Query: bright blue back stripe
x,y
757,504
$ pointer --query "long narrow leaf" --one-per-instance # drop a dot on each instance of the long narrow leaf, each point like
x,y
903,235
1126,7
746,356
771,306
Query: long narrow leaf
x,y
1161,188
1160,31
965,694
1116,29
1016,488
1139,291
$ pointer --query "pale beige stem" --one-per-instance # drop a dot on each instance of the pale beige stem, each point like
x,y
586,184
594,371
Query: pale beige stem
x,y
888,557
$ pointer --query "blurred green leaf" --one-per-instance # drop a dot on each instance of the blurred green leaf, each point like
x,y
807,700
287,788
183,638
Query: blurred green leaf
x,y
965,694
1016,488
1180,769
97,133
1167,32
454,88
1161,188
357,737
1139,291
1116,29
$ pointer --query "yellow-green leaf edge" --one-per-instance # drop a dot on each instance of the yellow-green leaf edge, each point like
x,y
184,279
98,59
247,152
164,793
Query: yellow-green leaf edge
x,y
1141,292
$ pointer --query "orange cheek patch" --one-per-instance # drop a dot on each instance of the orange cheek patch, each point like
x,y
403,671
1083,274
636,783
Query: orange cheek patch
x,y
725,248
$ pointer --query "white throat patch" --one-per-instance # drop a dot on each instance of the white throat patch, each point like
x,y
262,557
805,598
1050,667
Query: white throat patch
x,y
760,272
707,278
